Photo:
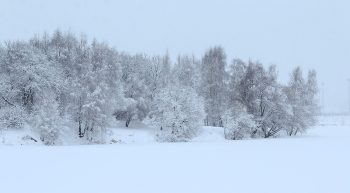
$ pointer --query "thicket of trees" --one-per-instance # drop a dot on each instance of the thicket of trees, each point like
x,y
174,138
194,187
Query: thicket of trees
x,y
51,79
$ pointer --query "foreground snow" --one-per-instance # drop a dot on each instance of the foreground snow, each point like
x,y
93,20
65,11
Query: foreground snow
x,y
316,162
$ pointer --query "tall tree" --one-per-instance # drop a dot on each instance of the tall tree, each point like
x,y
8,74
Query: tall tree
x,y
136,91
302,97
102,91
187,71
213,84
263,98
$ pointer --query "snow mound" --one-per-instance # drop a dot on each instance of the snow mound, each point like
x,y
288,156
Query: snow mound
x,y
210,134
24,136
122,136
135,133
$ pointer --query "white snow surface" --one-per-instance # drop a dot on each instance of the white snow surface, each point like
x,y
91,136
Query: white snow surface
x,y
315,162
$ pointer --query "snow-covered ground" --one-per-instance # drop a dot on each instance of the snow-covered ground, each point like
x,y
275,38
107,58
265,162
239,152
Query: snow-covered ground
x,y
315,162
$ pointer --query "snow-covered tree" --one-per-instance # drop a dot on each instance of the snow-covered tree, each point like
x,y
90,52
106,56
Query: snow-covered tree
x,y
12,114
238,124
136,91
187,71
179,110
165,72
236,71
213,84
46,120
302,98
157,73
263,98
101,92
28,73
31,87
12,117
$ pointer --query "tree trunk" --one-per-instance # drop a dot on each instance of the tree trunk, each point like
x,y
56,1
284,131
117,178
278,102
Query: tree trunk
x,y
80,133
127,122
79,119
266,134
296,131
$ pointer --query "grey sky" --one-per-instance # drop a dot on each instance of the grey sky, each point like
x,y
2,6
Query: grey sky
x,y
310,34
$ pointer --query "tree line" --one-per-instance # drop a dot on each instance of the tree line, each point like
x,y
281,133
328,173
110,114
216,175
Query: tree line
x,y
53,79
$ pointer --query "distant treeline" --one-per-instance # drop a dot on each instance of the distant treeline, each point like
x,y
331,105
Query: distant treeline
x,y
51,79
334,114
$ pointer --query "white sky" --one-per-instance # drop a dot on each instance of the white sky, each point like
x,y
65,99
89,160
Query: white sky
x,y
310,34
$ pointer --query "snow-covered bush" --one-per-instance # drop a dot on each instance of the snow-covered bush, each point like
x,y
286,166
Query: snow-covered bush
x,y
12,117
238,124
46,121
178,109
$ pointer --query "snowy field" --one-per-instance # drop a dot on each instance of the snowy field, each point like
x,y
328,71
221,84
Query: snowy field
x,y
315,162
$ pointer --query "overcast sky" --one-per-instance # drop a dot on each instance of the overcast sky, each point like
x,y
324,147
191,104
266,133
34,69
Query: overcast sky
x,y
311,34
